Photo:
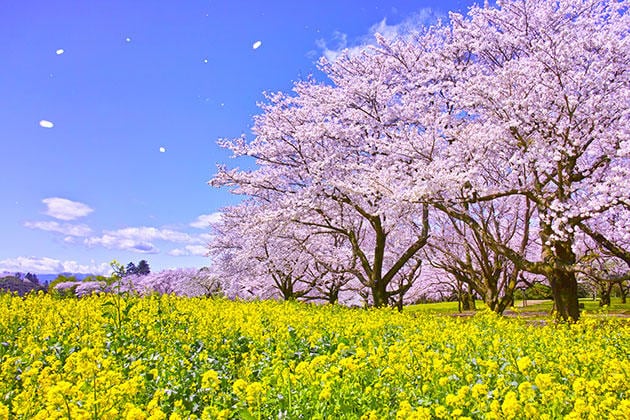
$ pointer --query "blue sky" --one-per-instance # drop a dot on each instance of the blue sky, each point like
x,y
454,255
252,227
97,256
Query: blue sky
x,y
137,93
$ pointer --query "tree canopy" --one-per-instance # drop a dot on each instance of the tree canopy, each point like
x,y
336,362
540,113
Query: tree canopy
x,y
495,145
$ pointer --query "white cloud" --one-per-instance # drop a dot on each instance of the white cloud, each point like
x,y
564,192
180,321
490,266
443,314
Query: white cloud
x,y
197,250
146,233
126,244
140,239
46,124
64,209
204,221
45,265
340,41
206,237
64,228
408,26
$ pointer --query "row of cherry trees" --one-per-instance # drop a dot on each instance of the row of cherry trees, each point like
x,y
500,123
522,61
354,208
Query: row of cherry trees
x,y
188,282
492,150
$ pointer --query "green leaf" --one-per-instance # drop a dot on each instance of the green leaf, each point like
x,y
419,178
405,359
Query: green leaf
x,y
246,415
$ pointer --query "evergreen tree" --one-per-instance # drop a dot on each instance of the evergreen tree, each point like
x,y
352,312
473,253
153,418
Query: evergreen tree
x,y
143,268
131,269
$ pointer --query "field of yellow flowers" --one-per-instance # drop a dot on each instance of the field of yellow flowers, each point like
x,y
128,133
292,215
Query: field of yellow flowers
x,y
164,357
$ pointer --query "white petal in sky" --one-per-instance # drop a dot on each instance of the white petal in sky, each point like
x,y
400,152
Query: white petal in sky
x,y
46,124
60,51
162,150
127,39
257,44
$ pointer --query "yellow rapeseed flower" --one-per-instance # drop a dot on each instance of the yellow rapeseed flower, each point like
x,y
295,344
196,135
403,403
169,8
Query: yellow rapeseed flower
x,y
479,391
543,381
325,393
239,386
135,413
524,364
254,393
69,358
210,380
4,412
510,407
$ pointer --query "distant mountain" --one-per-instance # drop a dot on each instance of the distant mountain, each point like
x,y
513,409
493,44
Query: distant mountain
x,y
5,274
19,285
47,278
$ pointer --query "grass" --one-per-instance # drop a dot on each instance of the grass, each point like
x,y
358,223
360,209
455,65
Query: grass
x,y
446,308
590,306
438,307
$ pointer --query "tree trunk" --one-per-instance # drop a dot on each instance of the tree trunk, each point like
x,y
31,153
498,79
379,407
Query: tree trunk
x,y
499,304
565,295
623,292
605,291
379,294
492,303
564,287
399,304
468,301
503,304
333,296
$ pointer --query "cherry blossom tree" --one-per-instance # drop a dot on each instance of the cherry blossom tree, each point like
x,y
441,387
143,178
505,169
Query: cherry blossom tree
x,y
603,273
86,288
610,231
182,282
316,153
541,92
604,252
524,101
332,263
259,257
332,159
464,254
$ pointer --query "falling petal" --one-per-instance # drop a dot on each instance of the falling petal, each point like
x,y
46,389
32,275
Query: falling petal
x,y
46,124
60,51
162,150
257,44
